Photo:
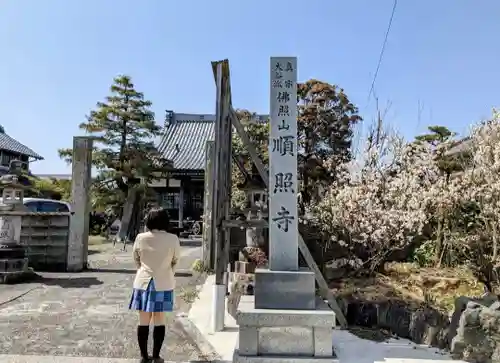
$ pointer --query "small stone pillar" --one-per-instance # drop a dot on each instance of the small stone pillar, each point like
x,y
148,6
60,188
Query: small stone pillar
x,y
78,243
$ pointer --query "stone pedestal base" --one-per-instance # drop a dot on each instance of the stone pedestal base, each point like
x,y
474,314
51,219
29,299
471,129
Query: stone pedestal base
x,y
281,359
285,289
17,277
13,265
284,335
15,271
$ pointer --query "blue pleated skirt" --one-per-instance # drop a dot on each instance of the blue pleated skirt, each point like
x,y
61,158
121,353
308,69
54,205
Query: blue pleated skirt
x,y
151,300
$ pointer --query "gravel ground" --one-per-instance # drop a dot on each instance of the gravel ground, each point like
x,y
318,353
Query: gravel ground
x,y
86,314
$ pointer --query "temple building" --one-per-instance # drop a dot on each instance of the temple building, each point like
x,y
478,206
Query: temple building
x,y
11,149
183,143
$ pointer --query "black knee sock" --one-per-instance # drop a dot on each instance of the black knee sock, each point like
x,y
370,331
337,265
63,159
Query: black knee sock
x,y
142,339
158,337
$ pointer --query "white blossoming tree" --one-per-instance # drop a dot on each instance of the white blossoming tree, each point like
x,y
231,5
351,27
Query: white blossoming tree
x,y
404,193
385,205
473,201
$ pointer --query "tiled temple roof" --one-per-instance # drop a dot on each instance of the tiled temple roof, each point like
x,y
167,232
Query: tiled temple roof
x,y
184,143
9,144
184,139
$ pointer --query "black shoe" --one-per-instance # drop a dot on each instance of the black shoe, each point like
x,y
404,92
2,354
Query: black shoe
x,y
145,360
158,360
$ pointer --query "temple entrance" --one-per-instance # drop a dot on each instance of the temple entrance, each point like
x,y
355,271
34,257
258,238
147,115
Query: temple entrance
x,y
193,206
184,201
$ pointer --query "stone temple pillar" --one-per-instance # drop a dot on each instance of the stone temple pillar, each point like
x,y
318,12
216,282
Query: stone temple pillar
x,y
78,243
284,322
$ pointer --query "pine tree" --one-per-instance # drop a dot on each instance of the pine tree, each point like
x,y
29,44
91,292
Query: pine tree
x,y
436,135
124,129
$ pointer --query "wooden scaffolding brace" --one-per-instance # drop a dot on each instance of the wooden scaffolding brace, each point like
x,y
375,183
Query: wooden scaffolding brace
x,y
221,197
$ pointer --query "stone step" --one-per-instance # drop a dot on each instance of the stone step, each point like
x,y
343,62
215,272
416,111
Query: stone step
x,y
282,359
6,358
322,316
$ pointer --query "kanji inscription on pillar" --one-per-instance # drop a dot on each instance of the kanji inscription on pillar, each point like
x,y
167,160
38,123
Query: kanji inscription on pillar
x,y
283,218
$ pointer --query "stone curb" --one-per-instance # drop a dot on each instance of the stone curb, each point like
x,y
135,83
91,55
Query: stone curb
x,y
206,349
203,345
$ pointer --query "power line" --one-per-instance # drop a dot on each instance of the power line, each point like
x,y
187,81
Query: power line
x,y
383,49
381,56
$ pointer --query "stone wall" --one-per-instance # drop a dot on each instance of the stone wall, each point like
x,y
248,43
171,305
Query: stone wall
x,y
422,325
477,336
45,236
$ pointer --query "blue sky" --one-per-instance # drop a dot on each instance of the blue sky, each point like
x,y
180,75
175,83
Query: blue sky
x,y
59,58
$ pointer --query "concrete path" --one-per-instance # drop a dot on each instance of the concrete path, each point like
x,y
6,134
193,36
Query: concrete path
x,y
86,314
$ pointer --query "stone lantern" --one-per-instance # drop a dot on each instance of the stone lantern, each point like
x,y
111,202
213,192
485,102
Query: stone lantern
x,y
256,206
253,255
13,259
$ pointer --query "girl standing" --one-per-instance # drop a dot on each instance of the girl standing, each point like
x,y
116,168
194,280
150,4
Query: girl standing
x,y
156,253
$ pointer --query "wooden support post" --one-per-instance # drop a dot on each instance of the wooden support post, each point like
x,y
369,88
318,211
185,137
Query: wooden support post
x,y
217,316
250,148
222,164
221,189
240,166
217,174
207,245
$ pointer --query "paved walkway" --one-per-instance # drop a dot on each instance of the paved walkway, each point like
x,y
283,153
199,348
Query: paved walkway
x,y
86,315
61,359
